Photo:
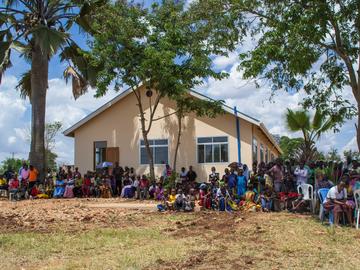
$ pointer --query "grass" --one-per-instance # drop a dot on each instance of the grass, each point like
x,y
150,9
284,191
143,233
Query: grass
x,y
188,241
133,248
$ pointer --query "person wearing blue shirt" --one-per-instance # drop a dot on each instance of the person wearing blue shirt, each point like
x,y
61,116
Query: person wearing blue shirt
x,y
241,183
232,182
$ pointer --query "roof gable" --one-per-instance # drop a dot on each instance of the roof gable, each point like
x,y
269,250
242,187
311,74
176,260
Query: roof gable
x,y
70,131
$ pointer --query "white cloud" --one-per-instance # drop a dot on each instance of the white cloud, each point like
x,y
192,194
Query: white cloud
x,y
258,103
11,140
61,106
16,114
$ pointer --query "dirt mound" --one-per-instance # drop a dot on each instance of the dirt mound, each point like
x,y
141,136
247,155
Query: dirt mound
x,y
68,215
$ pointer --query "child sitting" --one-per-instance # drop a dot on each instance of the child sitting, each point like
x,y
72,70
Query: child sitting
x,y
3,183
14,186
180,201
127,191
171,200
69,188
267,198
159,192
59,188
220,198
105,188
163,205
205,197
190,201
144,187
250,197
136,187
86,186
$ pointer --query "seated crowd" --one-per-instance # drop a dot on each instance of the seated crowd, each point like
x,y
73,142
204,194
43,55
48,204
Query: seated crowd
x,y
266,187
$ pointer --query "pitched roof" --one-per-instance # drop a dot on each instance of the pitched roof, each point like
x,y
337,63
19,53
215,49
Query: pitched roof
x,y
70,131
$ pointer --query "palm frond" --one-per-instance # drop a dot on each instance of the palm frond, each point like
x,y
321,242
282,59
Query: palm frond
x,y
49,40
317,120
24,85
297,120
5,52
79,83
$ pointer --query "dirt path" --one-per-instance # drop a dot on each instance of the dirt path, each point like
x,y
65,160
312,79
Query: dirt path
x,y
124,205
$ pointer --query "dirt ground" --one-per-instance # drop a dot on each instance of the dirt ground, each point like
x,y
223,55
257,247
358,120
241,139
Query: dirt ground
x,y
125,234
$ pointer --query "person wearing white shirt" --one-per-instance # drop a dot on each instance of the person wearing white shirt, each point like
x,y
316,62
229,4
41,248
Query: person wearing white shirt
x,y
301,174
336,201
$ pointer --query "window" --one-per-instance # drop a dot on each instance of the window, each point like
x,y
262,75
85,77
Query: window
x,y
266,156
159,150
99,152
272,157
255,150
212,149
261,153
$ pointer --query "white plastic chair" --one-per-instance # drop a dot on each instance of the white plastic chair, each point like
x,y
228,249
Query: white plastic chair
x,y
357,204
3,193
307,191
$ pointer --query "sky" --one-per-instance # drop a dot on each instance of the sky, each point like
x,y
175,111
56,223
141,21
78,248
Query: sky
x,y
15,113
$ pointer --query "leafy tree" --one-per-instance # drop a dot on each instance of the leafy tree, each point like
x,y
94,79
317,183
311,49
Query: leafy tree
x,y
201,108
333,155
311,129
352,155
13,163
291,147
166,48
51,131
311,45
50,159
39,30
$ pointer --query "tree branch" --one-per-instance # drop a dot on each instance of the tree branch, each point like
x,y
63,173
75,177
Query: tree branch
x,y
166,115
153,113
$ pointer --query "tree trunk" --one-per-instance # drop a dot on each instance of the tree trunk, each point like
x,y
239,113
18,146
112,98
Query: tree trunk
x,y
145,138
179,118
39,85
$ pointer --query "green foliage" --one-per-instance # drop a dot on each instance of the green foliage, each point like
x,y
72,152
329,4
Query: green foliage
x,y
50,160
333,155
166,47
201,107
13,163
290,147
312,129
352,155
26,25
311,45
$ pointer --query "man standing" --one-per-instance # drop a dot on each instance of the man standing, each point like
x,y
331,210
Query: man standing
x,y
118,173
301,174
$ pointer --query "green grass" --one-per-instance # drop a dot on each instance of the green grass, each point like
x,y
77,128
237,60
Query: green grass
x,y
133,248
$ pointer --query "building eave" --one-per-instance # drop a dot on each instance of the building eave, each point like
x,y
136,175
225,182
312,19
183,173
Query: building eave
x,y
70,132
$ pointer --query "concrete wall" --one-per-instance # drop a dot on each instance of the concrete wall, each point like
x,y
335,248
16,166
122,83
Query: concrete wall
x,y
119,125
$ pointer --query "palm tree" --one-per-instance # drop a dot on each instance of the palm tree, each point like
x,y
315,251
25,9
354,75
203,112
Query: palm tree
x,y
312,129
38,30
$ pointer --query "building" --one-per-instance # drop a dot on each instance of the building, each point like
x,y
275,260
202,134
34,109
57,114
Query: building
x,y
113,133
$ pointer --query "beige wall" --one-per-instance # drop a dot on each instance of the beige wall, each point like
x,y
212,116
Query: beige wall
x,y
120,127
262,139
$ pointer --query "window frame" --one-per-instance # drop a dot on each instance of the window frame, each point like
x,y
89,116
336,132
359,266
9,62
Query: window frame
x,y
257,149
153,146
262,152
94,151
212,149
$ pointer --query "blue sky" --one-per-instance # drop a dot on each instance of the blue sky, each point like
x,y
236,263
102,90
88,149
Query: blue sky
x,y
15,113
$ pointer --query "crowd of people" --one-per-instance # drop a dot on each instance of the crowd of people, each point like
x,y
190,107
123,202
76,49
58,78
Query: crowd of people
x,y
264,187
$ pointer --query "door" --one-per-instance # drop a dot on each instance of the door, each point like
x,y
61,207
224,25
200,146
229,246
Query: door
x,y
112,154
